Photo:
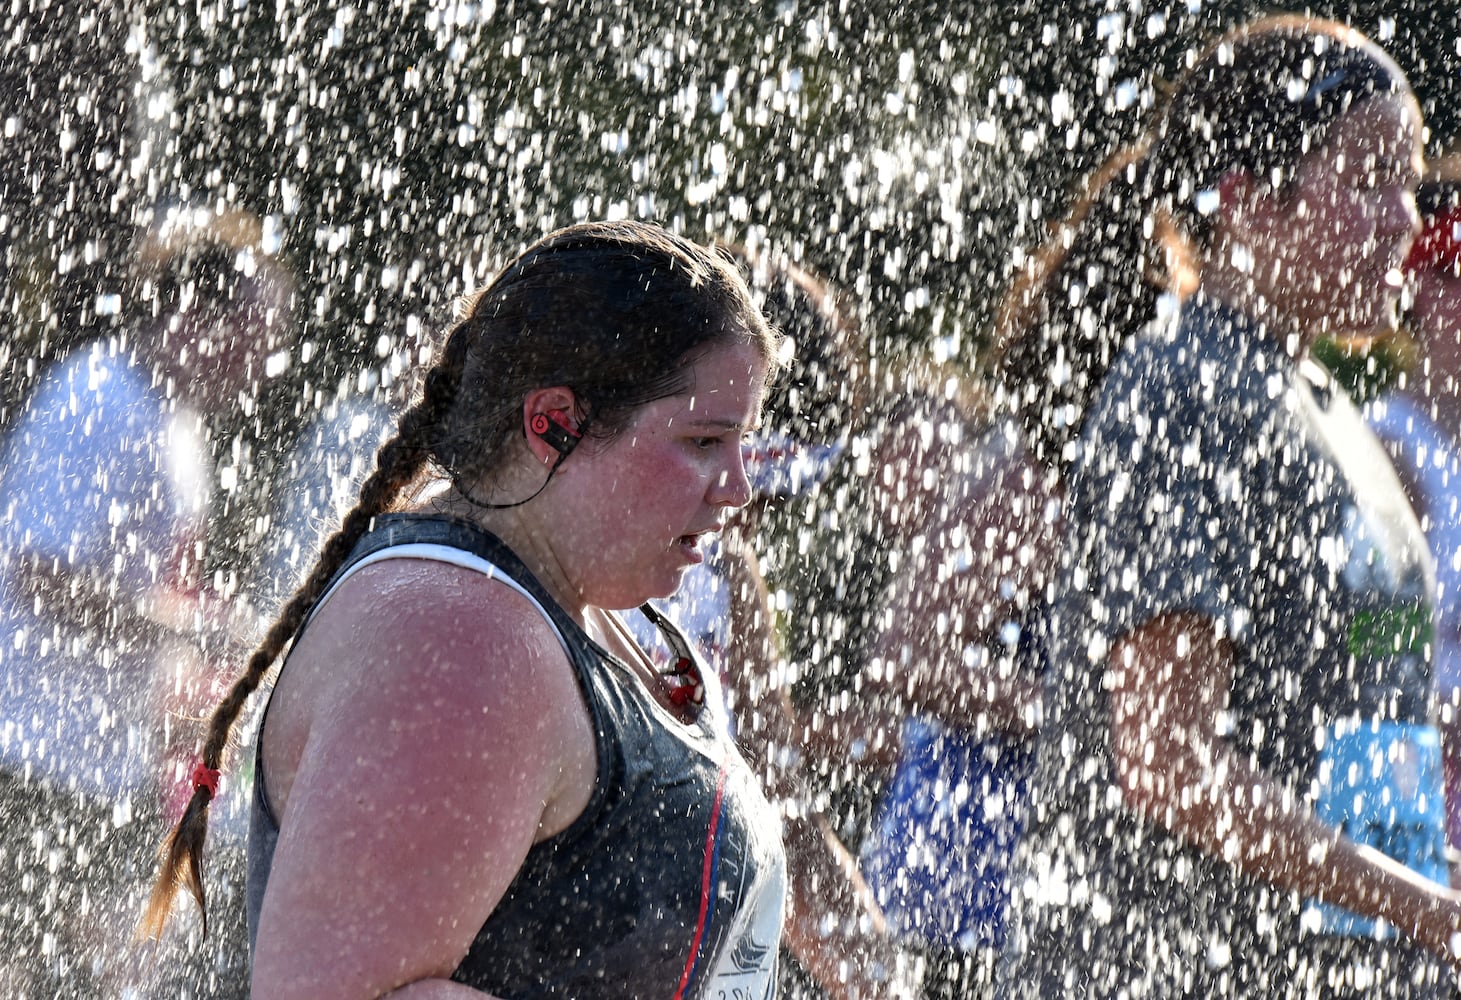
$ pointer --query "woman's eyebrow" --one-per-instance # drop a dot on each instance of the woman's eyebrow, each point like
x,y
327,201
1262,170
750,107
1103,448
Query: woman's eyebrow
x,y
710,423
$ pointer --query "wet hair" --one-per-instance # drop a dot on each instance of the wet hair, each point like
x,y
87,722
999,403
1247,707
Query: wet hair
x,y
615,311
821,392
205,275
1257,102
195,259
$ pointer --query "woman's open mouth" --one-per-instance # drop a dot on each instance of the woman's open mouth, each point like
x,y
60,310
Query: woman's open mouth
x,y
695,543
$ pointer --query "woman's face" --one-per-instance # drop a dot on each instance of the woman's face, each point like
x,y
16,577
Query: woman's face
x,y
1339,234
663,486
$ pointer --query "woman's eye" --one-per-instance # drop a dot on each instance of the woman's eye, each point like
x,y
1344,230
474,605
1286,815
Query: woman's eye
x,y
704,443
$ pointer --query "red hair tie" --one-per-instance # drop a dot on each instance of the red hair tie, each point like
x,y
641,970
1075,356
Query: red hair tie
x,y
205,777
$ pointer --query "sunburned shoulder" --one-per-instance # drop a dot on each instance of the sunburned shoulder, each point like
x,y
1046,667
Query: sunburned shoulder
x,y
419,629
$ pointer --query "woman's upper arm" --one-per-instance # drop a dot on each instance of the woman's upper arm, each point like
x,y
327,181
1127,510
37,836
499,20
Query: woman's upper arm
x,y
434,746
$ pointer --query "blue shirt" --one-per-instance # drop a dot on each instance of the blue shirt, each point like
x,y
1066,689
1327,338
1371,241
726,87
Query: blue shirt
x,y
103,485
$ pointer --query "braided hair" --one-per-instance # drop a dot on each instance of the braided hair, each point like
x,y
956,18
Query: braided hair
x,y
615,311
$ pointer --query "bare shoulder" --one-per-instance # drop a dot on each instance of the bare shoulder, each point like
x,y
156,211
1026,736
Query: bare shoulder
x,y
430,733
415,665
422,635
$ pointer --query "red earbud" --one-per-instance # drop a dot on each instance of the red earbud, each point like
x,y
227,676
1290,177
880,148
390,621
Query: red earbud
x,y
554,428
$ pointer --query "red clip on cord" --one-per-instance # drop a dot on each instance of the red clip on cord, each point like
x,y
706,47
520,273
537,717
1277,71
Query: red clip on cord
x,y
205,777
688,689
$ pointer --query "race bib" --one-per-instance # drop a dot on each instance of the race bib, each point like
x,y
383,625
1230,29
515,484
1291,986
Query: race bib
x,y
1381,783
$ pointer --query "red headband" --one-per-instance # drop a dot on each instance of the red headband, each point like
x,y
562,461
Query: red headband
x,y
1438,247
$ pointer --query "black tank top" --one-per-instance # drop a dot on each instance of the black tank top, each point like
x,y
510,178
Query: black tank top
x,y
672,881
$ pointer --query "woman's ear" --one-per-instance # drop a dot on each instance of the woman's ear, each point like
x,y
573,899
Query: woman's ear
x,y
550,423
1247,212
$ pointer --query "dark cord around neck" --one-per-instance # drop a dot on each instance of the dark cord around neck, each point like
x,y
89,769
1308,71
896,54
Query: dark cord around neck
x,y
516,503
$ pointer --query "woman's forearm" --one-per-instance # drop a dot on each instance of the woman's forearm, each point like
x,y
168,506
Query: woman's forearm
x,y
1168,680
1234,811
834,927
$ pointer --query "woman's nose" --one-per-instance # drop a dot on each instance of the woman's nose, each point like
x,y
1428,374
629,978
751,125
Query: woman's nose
x,y
732,488
1401,217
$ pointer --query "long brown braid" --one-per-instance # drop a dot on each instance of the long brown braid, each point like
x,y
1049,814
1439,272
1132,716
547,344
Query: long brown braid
x,y
398,461
574,309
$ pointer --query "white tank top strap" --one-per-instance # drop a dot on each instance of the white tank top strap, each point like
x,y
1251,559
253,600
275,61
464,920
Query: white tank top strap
x,y
446,554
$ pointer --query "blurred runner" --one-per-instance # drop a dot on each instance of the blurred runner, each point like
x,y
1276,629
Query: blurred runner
x,y
105,485
1238,787
1420,424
